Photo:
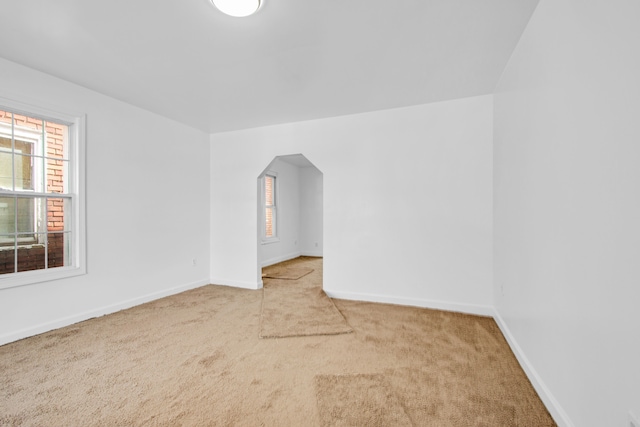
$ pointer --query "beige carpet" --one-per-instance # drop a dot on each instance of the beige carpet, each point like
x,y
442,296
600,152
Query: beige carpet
x,y
358,400
195,359
295,308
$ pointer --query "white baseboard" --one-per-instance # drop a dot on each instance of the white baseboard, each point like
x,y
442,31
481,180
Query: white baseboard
x,y
311,253
281,258
70,320
236,283
477,309
559,415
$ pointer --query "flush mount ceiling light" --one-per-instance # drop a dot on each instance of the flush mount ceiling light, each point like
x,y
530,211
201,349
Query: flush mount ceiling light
x,y
238,8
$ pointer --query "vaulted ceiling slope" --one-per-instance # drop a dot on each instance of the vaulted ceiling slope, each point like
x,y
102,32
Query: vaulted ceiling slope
x,y
293,60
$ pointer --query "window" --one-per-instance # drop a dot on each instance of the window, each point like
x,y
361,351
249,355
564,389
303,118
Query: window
x,y
269,195
41,202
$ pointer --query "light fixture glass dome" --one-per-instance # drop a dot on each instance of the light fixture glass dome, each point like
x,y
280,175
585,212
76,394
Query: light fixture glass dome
x,y
238,8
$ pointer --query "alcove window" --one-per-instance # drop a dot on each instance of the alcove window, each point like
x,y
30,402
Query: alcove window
x,y
270,198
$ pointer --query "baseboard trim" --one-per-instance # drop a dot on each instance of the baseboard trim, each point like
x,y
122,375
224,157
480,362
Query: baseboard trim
x,y
70,320
236,283
553,406
282,258
477,309
317,254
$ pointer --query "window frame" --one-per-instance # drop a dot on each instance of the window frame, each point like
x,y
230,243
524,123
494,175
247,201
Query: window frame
x,y
76,186
275,238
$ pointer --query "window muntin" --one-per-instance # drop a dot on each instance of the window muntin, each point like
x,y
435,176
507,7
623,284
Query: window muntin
x,y
41,203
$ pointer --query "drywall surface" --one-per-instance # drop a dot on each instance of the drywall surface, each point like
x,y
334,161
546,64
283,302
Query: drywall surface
x,y
310,211
406,201
287,215
567,205
147,209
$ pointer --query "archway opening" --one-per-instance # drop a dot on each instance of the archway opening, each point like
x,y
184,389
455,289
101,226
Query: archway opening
x,y
290,211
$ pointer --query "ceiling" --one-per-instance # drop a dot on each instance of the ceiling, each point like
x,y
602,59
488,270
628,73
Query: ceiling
x,y
293,60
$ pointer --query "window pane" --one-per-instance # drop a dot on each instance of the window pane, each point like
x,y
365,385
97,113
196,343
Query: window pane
x,y
26,215
30,214
7,215
6,158
28,172
6,169
22,168
268,190
57,171
7,254
24,147
31,257
58,249
58,214
5,117
269,222
25,122
56,137
5,139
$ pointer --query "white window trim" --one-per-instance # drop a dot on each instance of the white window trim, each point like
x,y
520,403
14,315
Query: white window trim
x,y
263,222
77,192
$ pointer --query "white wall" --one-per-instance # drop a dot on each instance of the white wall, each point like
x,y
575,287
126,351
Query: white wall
x,y
567,207
310,211
288,215
147,209
407,202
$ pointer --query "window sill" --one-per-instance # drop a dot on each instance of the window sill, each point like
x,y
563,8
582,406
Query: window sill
x,y
24,278
21,245
270,241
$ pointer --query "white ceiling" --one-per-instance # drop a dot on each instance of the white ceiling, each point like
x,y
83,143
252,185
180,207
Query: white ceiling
x,y
298,160
293,60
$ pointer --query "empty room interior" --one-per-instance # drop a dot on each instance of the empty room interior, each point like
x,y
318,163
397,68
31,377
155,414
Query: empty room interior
x,y
425,162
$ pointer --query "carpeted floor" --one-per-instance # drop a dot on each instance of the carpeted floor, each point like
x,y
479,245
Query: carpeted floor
x,y
196,359
285,271
295,308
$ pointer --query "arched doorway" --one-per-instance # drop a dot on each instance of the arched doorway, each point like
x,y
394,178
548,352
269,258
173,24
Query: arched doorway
x,y
290,210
